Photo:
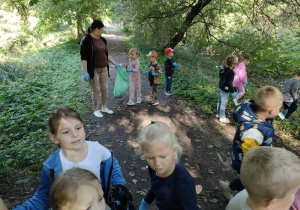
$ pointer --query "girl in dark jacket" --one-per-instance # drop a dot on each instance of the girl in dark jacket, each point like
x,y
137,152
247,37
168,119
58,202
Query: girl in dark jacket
x,y
225,86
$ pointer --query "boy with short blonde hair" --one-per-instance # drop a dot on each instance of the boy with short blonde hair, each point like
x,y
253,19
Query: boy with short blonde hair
x,y
271,177
154,71
255,118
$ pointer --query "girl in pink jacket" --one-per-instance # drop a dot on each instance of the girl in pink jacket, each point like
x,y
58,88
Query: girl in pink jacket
x,y
240,77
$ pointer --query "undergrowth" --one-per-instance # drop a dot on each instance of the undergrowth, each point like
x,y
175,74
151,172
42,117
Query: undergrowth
x,y
32,85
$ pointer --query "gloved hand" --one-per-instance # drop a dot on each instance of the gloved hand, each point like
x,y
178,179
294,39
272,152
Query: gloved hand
x,y
245,82
233,95
147,72
153,73
85,75
176,65
117,65
144,205
129,70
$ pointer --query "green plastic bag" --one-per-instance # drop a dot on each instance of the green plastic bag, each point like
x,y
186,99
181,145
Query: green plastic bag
x,y
121,84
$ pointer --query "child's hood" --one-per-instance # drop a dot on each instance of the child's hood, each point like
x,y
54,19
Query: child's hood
x,y
244,113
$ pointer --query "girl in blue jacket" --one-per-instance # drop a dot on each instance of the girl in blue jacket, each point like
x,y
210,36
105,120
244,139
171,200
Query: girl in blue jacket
x,y
67,130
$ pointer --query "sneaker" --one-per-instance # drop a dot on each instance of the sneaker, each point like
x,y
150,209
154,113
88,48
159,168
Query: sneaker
x,y
224,120
167,94
281,115
226,189
170,93
155,103
150,102
130,103
139,100
98,114
106,110
235,102
217,116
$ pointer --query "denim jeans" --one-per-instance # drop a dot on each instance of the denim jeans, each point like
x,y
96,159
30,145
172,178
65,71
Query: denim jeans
x,y
289,108
222,103
169,80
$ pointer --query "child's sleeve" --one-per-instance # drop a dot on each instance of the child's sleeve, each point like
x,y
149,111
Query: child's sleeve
x,y
250,139
41,199
230,81
158,71
188,197
294,90
150,196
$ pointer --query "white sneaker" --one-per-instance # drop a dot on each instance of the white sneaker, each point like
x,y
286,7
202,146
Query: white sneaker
x,y
217,116
139,100
130,103
224,120
106,110
226,189
98,114
235,102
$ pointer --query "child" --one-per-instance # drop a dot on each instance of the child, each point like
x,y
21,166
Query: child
x,y
240,77
255,129
77,189
67,130
225,86
135,77
271,177
170,64
172,186
154,72
290,94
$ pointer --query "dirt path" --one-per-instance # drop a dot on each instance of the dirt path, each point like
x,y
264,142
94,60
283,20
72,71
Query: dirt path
x,y
206,142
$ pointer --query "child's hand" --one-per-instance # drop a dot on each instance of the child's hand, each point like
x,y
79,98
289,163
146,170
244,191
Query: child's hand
x,y
144,205
233,95
85,75
176,65
117,65
147,72
245,82
153,74
129,70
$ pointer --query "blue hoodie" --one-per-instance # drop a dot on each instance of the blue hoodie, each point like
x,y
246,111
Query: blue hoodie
x,y
52,167
261,133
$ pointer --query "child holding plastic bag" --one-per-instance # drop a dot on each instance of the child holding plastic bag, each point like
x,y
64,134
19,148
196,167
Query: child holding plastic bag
x,y
135,77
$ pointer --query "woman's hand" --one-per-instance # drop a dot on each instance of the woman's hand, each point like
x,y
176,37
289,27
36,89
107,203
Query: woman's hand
x,y
117,65
85,75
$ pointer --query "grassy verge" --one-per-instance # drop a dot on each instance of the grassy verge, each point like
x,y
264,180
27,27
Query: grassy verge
x,y
32,85
197,82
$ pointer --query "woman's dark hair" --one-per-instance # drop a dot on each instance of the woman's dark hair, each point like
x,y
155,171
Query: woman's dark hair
x,y
58,114
96,24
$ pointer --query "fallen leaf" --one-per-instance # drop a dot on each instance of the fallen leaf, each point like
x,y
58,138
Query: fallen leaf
x,y
210,146
199,188
214,200
134,181
131,173
144,168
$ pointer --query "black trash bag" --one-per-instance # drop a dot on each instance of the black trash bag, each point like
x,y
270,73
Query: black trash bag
x,y
119,198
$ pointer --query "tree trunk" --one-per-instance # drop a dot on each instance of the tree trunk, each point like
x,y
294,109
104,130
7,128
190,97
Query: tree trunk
x,y
80,31
195,10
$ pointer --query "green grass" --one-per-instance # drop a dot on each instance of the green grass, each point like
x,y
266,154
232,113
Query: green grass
x,y
32,85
